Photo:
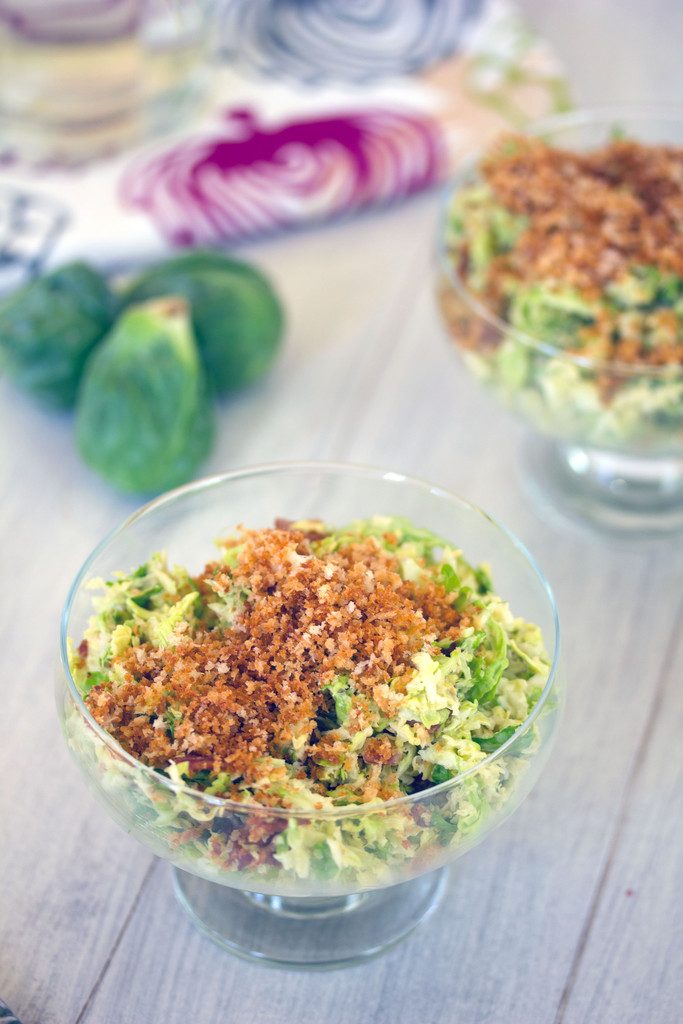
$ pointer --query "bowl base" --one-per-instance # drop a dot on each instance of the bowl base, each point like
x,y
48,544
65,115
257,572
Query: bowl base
x,y
308,933
617,494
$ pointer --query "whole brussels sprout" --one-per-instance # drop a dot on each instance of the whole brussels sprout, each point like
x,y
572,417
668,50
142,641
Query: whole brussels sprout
x,y
236,315
144,421
48,328
195,260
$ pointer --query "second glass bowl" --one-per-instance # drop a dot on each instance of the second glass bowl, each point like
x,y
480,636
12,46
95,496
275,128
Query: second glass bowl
x,y
611,447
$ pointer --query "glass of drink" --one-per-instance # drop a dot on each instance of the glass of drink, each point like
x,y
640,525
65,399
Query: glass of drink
x,y
86,78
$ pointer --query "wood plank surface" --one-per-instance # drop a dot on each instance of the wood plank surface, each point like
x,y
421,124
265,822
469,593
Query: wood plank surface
x,y
630,963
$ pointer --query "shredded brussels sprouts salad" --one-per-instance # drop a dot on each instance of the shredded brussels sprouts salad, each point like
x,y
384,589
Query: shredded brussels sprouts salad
x,y
582,253
310,669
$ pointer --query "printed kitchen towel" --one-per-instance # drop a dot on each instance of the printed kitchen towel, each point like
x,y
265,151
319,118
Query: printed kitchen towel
x,y
318,110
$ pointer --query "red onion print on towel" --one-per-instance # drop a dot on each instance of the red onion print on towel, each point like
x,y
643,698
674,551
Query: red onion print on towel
x,y
249,180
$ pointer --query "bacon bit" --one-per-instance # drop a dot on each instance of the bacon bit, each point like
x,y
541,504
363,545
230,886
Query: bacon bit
x,y
378,750
312,533
283,524
186,836
195,762
83,648
420,814
329,750
608,385
261,830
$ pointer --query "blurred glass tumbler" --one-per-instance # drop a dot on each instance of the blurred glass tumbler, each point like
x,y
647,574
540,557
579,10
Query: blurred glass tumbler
x,y
84,78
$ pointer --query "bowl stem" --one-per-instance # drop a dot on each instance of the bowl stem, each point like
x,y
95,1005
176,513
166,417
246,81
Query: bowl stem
x,y
309,932
625,494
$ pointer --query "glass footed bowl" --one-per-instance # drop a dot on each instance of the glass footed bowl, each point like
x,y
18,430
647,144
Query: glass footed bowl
x,y
291,903
609,435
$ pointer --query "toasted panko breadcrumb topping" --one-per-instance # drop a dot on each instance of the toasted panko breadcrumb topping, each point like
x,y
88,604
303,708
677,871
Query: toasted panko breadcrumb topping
x,y
591,218
593,215
253,689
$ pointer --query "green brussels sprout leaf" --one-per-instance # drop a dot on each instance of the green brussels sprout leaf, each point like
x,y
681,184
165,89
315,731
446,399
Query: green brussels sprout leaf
x,y
144,421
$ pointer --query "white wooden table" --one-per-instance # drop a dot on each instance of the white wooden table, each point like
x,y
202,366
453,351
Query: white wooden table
x,y
571,912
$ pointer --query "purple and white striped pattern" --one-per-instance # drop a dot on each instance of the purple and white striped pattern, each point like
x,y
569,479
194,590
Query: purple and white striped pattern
x,y
248,180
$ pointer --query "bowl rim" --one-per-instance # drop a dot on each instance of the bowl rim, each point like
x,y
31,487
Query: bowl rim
x,y
274,468
582,116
